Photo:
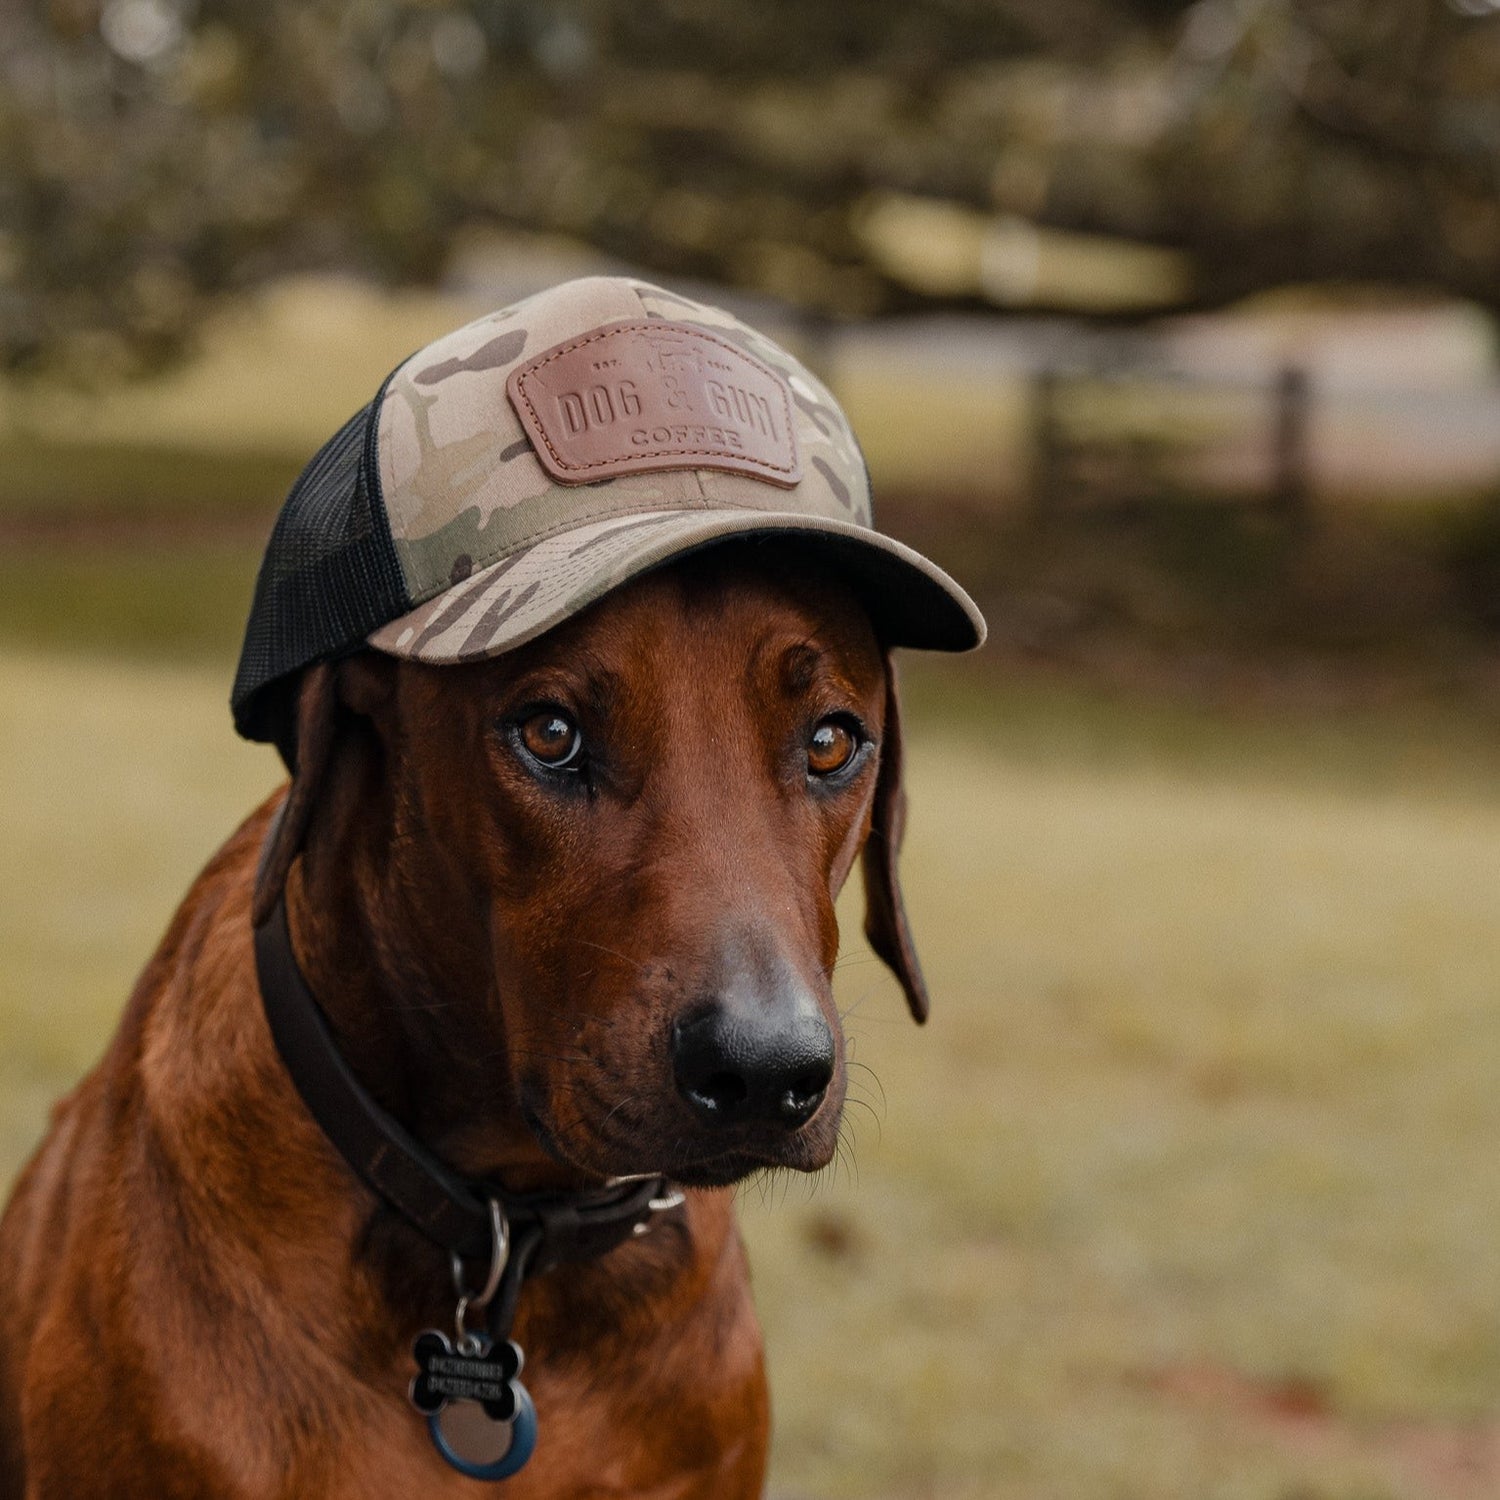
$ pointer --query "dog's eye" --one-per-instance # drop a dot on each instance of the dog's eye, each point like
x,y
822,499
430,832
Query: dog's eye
x,y
832,746
551,738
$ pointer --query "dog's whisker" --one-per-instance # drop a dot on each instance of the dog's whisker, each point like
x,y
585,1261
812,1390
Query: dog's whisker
x,y
532,1055
613,953
628,1099
874,1078
422,1007
870,1110
844,1154
850,1011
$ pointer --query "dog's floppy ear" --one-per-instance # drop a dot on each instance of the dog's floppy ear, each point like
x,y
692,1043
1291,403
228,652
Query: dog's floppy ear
x,y
317,709
886,927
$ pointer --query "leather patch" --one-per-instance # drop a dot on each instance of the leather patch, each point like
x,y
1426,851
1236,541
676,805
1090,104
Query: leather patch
x,y
629,398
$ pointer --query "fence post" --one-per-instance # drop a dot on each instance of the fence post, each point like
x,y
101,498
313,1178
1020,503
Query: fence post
x,y
1290,487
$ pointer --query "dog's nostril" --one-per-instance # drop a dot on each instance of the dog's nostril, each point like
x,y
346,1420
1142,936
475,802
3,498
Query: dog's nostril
x,y
720,1092
819,1076
805,1093
812,1084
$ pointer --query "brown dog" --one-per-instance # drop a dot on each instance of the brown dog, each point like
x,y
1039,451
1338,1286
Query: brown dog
x,y
570,912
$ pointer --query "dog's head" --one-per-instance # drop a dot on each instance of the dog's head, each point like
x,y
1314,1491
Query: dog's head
x,y
601,868
597,809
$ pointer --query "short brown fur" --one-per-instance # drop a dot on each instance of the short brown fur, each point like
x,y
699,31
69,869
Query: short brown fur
x,y
198,1299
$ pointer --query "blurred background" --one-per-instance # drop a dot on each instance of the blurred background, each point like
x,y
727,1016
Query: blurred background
x,y
1170,328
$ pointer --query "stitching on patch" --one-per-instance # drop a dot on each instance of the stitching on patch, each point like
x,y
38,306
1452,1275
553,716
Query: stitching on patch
x,y
614,328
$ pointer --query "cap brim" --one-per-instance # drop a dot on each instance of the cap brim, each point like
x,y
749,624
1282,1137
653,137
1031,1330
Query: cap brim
x,y
912,601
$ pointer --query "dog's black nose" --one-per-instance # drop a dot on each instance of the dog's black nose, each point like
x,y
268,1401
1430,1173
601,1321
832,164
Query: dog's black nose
x,y
769,1066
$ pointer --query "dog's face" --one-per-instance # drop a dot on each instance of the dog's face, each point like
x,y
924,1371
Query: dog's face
x,y
619,849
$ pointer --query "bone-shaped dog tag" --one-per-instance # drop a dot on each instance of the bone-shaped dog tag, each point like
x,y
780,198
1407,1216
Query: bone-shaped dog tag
x,y
480,1417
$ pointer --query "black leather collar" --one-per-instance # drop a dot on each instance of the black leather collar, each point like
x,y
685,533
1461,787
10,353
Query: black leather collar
x,y
452,1211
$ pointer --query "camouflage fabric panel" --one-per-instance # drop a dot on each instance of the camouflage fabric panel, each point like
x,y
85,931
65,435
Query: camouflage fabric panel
x,y
835,482
521,596
461,482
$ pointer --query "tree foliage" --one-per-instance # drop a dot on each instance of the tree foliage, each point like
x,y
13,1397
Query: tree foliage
x,y
155,154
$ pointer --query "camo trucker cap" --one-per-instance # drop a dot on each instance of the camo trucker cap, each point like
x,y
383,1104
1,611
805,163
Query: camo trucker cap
x,y
516,470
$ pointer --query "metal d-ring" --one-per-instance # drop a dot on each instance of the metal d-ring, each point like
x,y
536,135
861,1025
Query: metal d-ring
x,y
672,1198
478,1301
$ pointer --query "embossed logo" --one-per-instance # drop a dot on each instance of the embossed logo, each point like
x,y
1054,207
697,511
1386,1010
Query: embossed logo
x,y
630,398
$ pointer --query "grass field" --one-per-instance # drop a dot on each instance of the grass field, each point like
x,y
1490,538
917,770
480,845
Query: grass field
x,y
1190,1191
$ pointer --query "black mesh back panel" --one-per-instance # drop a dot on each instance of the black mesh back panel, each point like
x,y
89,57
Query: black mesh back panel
x,y
329,577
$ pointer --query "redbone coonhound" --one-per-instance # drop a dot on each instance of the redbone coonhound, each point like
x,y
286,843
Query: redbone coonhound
x,y
570,913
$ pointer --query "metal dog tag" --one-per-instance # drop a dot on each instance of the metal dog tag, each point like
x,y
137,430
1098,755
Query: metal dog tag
x,y
479,1415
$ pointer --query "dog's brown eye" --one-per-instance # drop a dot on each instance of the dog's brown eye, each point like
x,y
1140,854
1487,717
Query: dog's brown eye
x,y
831,748
551,738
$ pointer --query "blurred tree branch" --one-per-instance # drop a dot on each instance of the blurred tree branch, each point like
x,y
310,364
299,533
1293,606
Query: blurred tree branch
x,y
156,154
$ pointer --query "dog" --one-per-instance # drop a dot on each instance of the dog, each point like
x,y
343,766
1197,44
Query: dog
x,y
567,911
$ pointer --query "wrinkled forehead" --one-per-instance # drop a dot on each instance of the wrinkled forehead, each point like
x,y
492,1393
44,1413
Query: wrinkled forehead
x,y
731,606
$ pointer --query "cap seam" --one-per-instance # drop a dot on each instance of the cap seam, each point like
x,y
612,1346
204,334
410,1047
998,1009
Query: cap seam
x,y
370,462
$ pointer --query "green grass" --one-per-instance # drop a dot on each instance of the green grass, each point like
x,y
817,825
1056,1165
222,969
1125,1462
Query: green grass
x,y
150,598
119,780
1206,1113
42,479
1209,1087
1189,1192
1413,741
